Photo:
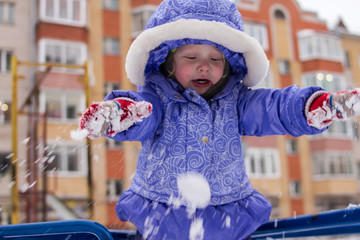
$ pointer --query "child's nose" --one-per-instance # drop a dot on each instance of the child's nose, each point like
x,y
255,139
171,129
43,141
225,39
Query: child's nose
x,y
204,66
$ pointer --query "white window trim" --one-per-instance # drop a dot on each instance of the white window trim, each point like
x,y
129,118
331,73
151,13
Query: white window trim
x,y
6,13
111,187
314,37
63,95
326,158
63,44
79,148
259,28
266,152
147,11
3,61
58,20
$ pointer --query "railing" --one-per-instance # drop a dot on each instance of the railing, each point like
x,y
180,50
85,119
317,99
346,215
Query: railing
x,y
331,223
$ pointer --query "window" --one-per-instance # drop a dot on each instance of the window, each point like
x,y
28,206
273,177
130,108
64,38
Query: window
x,y
62,106
72,12
331,82
319,46
5,60
62,52
335,164
284,67
6,13
114,189
261,162
67,158
258,31
111,143
5,113
295,188
110,86
291,146
279,14
110,4
347,60
5,162
111,45
140,17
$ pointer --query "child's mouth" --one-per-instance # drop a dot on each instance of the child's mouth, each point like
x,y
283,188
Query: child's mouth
x,y
201,82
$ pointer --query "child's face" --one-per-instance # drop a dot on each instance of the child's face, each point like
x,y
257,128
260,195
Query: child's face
x,y
198,67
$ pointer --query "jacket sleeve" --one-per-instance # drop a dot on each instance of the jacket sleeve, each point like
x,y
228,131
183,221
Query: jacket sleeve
x,y
140,131
275,111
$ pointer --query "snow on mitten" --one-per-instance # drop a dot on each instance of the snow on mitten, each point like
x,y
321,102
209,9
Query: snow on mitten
x,y
333,106
113,116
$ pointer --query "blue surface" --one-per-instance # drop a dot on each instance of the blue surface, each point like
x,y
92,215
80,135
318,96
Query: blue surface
x,y
337,222
59,230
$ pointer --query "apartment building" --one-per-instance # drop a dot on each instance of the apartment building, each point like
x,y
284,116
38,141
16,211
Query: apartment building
x,y
299,175
16,39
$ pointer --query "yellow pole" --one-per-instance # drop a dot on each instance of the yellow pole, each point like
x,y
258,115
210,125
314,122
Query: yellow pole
x,y
88,143
14,162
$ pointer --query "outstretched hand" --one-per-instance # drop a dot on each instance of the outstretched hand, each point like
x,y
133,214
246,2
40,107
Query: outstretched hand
x,y
334,106
113,116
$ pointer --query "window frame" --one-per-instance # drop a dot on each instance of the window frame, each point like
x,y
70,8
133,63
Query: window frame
x,y
332,164
256,157
56,18
145,12
5,62
259,31
45,43
7,13
63,149
63,97
315,45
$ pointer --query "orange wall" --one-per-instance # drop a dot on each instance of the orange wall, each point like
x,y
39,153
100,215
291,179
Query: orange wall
x,y
334,144
316,65
62,32
115,166
62,81
297,206
111,23
294,167
266,141
137,3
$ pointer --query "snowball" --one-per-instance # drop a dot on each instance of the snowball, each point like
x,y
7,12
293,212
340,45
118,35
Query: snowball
x,y
194,189
79,134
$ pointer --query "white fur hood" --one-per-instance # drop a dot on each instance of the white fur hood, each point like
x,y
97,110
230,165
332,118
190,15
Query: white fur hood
x,y
217,21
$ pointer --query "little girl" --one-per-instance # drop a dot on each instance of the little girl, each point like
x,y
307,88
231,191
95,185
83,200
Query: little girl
x,y
194,65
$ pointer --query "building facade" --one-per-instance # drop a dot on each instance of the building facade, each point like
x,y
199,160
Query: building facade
x,y
85,179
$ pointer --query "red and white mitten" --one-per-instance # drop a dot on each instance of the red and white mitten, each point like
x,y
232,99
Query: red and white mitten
x,y
328,107
113,116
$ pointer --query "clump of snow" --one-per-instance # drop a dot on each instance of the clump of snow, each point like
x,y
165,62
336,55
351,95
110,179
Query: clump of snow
x,y
194,189
26,140
194,193
79,134
321,117
228,221
196,229
353,205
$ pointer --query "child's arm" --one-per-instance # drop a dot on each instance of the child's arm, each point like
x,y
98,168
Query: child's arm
x,y
326,107
107,118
